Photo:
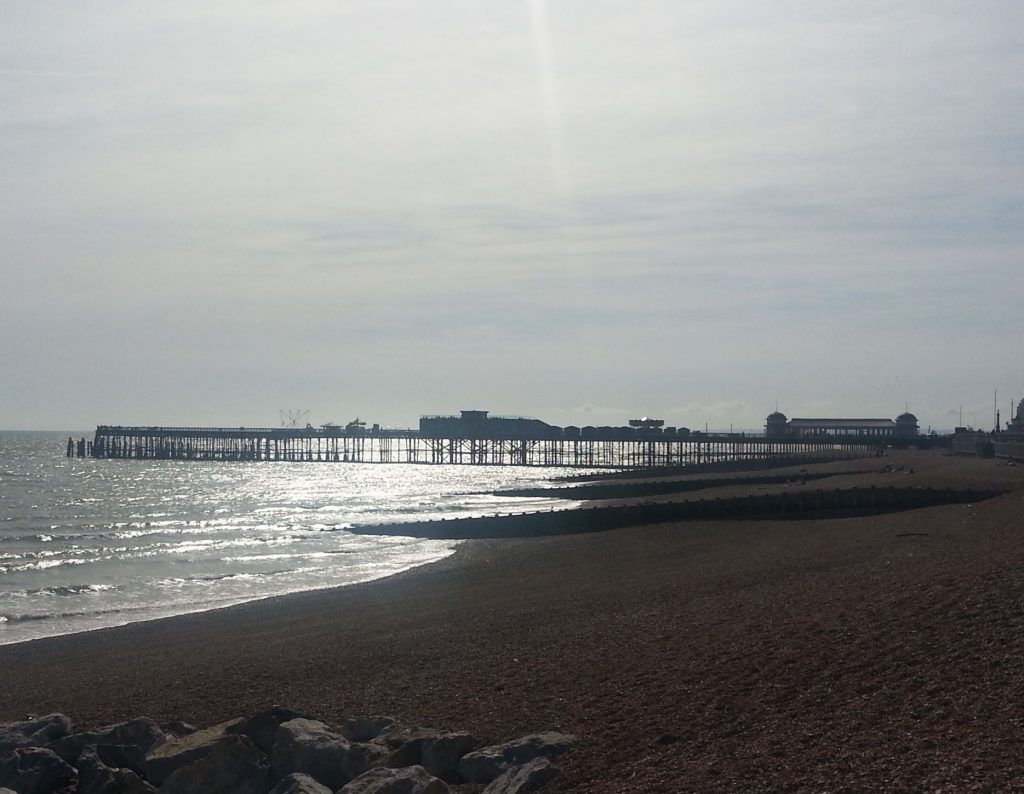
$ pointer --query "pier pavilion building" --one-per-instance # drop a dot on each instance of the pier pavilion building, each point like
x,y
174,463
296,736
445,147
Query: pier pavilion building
x,y
904,427
479,424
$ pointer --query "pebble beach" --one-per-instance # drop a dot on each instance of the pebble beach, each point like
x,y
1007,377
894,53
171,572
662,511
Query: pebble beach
x,y
870,653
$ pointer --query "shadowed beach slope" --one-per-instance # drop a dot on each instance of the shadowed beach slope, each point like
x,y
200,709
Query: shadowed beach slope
x,y
850,654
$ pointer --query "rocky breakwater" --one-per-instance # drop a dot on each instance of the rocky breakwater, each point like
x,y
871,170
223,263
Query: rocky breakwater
x,y
277,751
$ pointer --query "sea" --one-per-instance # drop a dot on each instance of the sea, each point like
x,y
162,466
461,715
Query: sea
x,y
86,544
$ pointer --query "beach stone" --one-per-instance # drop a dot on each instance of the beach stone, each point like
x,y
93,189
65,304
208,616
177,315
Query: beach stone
x,y
441,754
407,745
262,727
69,748
483,766
12,740
35,732
298,783
363,756
96,777
408,780
141,734
47,729
310,747
165,758
366,729
35,770
234,765
177,728
523,778
122,756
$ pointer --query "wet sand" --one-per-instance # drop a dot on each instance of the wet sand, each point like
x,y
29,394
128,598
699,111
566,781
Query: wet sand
x,y
857,654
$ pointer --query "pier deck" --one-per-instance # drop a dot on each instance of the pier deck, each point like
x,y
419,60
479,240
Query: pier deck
x,y
360,445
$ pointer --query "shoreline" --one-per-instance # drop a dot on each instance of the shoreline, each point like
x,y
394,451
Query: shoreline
x,y
255,601
839,654
627,484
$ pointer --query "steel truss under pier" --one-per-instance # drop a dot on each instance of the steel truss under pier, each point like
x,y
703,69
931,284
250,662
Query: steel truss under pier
x,y
331,444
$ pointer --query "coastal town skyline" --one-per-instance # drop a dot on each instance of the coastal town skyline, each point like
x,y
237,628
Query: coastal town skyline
x,y
578,212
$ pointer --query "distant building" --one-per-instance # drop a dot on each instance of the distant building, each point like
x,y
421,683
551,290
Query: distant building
x,y
646,424
478,424
778,426
481,425
1016,424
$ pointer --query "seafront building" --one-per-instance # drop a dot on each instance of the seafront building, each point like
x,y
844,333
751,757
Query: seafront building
x,y
1006,443
903,428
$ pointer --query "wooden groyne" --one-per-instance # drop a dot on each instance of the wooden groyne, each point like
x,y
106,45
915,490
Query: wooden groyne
x,y
360,445
779,506
615,489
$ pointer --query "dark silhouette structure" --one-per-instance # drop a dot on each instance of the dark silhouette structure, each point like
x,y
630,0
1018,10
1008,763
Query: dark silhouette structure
x,y
905,427
472,437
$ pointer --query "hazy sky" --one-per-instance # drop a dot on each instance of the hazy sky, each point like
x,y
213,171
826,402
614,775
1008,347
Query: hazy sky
x,y
579,210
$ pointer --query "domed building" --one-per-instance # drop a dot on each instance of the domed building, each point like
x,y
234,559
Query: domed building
x,y
906,425
775,425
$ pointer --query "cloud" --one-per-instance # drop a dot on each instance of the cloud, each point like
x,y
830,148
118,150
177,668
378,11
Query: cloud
x,y
814,203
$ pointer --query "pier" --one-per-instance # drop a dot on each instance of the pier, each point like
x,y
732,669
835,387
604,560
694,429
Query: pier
x,y
487,445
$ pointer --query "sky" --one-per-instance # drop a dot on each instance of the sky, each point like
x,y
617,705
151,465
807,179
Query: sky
x,y
584,211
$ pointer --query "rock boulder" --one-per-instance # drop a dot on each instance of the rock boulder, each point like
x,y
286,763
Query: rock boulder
x,y
297,783
165,758
408,780
34,732
96,777
483,766
407,745
310,747
233,765
524,778
135,738
35,770
441,754
366,729
262,727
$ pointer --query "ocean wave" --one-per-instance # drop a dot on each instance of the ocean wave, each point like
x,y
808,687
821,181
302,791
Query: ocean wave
x,y
213,544
24,618
220,577
37,617
57,537
302,556
132,531
39,555
72,589
40,559
38,538
40,565
261,557
142,531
